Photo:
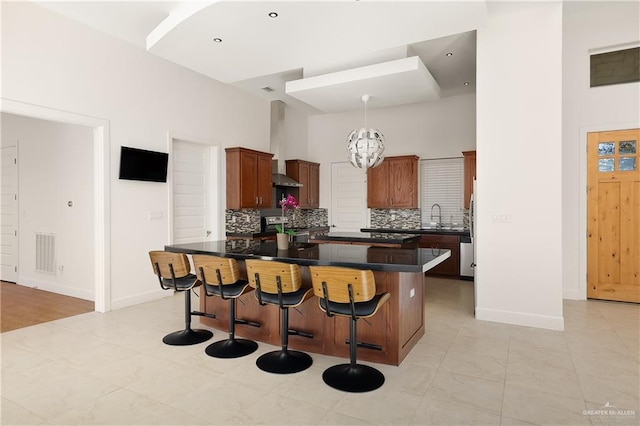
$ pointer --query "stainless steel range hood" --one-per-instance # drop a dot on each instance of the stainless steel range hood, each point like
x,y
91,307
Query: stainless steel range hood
x,y
280,179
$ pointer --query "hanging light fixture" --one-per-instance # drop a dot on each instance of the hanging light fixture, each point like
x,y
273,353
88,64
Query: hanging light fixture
x,y
365,146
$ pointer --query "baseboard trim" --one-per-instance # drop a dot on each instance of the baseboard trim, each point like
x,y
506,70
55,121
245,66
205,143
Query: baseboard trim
x,y
80,293
140,298
520,318
572,295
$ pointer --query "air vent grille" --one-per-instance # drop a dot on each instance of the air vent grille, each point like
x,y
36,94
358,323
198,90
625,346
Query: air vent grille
x,y
45,253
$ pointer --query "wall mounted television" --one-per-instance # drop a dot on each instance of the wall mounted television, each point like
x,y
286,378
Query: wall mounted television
x,y
140,164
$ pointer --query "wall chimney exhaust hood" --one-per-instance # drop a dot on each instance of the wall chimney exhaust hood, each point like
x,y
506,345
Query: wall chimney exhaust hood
x,y
277,134
280,179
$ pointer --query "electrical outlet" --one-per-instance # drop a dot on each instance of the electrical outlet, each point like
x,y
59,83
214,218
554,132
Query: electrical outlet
x,y
501,218
155,215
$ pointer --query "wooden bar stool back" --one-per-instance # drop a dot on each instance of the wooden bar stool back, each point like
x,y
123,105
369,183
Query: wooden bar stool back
x,y
174,273
279,283
221,277
351,293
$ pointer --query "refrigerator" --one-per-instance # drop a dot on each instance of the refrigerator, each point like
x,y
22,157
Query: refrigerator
x,y
467,244
473,226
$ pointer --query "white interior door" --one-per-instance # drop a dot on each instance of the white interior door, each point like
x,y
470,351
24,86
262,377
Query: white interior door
x,y
192,200
9,214
348,198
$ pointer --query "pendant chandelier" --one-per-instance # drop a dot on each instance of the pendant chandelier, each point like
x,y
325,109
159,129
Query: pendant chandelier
x,y
365,146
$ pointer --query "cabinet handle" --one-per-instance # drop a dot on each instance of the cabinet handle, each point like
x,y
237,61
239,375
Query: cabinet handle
x,y
257,202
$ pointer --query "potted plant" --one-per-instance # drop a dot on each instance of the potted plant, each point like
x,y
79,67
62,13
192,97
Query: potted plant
x,y
283,235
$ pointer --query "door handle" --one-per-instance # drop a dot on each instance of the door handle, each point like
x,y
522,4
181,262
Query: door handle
x,y
208,232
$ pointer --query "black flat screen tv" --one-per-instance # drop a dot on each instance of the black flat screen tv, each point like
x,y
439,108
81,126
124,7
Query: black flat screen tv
x,y
140,164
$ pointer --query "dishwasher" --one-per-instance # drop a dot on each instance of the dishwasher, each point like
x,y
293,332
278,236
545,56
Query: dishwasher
x,y
466,258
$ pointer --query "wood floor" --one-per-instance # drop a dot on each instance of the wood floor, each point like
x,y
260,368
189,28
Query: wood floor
x,y
22,306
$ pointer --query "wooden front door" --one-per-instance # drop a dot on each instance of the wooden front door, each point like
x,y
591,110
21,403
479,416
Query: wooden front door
x,y
613,215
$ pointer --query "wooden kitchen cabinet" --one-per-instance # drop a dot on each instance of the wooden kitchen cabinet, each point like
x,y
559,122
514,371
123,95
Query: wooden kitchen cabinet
x,y
451,266
308,174
469,175
248,179
394,183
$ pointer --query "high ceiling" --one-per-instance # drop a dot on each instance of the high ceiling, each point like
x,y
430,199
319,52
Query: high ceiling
x,y
318,56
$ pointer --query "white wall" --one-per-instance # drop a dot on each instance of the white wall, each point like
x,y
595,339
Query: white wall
x,y
436,129
55,167
590,109
519,165
52,61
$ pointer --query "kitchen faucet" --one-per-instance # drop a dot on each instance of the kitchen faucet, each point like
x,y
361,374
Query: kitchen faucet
x,y
439,214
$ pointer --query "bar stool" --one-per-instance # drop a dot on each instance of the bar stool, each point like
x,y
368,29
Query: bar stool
x,y
279,283
351,293
173,271
220,277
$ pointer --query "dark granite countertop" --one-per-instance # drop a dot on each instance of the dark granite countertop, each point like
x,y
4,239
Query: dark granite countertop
x,y
420,231
305,254
368,237
272,233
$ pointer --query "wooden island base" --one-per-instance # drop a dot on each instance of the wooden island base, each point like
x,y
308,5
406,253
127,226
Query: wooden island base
x,y
393,331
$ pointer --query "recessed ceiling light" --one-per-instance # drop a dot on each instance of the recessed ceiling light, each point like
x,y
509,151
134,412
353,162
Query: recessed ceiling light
x,y
466,83
273,15
217,40
449,54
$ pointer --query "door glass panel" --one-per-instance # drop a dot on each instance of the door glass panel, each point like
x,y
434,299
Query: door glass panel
x,y
606,148
627,147
605,165
627,164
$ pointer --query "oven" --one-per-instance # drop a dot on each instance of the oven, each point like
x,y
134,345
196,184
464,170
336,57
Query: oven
x,y
268,224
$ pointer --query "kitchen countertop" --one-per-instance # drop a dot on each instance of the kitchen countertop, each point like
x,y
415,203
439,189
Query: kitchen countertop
x,y
272,233
368,237
420,231
350,256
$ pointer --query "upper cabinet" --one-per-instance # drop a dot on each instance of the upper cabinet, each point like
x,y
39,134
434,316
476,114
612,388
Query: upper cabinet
x,y
248,179
308,174
469,175
394,183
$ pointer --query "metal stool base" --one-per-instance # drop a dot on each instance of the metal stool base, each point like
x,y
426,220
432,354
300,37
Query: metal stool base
x,y
231,348
353,378
284,362
187,337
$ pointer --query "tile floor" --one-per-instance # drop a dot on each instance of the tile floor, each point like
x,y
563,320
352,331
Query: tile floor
x,y
113,369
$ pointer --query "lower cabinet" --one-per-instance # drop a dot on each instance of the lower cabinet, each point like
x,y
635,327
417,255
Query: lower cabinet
x,y
451,266
387,336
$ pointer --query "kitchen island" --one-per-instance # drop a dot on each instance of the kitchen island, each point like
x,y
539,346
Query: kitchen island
x,y
388,336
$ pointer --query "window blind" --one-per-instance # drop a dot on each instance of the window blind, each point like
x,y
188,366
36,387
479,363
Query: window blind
x,y
442,183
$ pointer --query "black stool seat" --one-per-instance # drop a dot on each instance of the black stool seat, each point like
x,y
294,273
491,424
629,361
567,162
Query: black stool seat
x,y
172,270
279,283
350,293
220,277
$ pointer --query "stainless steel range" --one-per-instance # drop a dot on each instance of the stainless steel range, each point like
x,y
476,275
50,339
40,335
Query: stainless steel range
x,y
268,224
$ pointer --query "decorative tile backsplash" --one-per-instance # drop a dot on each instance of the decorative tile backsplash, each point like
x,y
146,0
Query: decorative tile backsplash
x,y
310,218
395,218
248,220
242,221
